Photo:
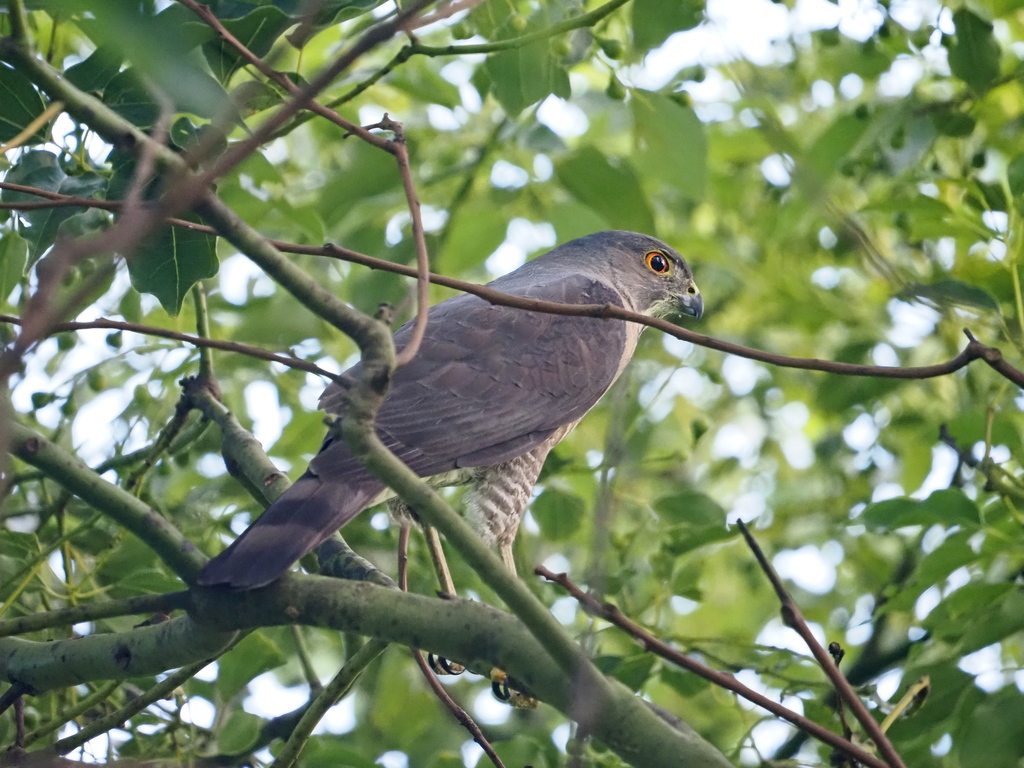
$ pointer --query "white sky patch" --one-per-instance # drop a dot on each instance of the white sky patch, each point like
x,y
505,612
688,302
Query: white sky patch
x,y
773,168
444,119
901,78
506,258
268,417
199,712
823,94
268,698
987,667
888,684
565,119
825,277
851,86
96,147
769,735
862,433
806,567
740,439
235,274
488,710
885,491
742,374
683,606
911,323
543,168
564,609
747,507
558,564
777,635
944,464
95,428
471,753
927,602
393,759
560,736
505,175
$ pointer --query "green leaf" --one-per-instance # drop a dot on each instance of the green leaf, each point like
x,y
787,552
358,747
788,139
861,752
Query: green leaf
x,y
525,75
953,292
41,169
127,95
13,261
253,656
691,508
425,84
20,104
558,513
365,173
612,191
831,147
474,233
93,73
989,735
953,123
947,507
631,671
974,52
239,733
655,20
257,31
670,143
1015,175
169,263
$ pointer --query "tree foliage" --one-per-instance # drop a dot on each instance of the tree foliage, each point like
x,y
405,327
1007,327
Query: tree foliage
x,y
850,188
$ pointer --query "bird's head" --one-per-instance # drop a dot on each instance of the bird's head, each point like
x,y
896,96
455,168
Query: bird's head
x,y
647,272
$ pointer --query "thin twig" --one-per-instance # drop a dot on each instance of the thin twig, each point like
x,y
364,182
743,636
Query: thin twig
x,y
793,618
401,153
42,119
115,719
648,642
975,350
458,712
205,13
197,341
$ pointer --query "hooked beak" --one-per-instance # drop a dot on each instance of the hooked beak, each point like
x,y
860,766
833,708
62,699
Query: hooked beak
x,y
692,305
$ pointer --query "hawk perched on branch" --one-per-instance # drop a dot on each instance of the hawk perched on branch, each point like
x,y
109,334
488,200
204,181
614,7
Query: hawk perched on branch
x,y
489,394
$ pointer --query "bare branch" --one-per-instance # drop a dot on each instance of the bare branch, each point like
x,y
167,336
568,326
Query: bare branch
x,y
198,341
648,642
975,350
458,712
793,618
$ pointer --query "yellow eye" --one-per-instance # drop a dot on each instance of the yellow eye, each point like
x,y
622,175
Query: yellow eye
x,y
658,263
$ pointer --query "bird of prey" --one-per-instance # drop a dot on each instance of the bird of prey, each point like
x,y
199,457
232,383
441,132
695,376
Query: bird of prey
x,y
489,394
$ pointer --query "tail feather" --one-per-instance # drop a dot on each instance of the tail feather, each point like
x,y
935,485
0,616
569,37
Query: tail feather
x,y
306,514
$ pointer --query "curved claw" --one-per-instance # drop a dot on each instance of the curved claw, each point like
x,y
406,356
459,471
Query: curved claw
x,y
511,691
441,665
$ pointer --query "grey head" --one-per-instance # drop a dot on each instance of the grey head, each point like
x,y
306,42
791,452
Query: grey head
x,y
650,276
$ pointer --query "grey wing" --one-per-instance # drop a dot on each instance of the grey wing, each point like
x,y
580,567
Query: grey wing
x,y
489,382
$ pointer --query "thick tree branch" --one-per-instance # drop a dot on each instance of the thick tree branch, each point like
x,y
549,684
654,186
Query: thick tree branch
x,y
102,609
142,651
488,638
